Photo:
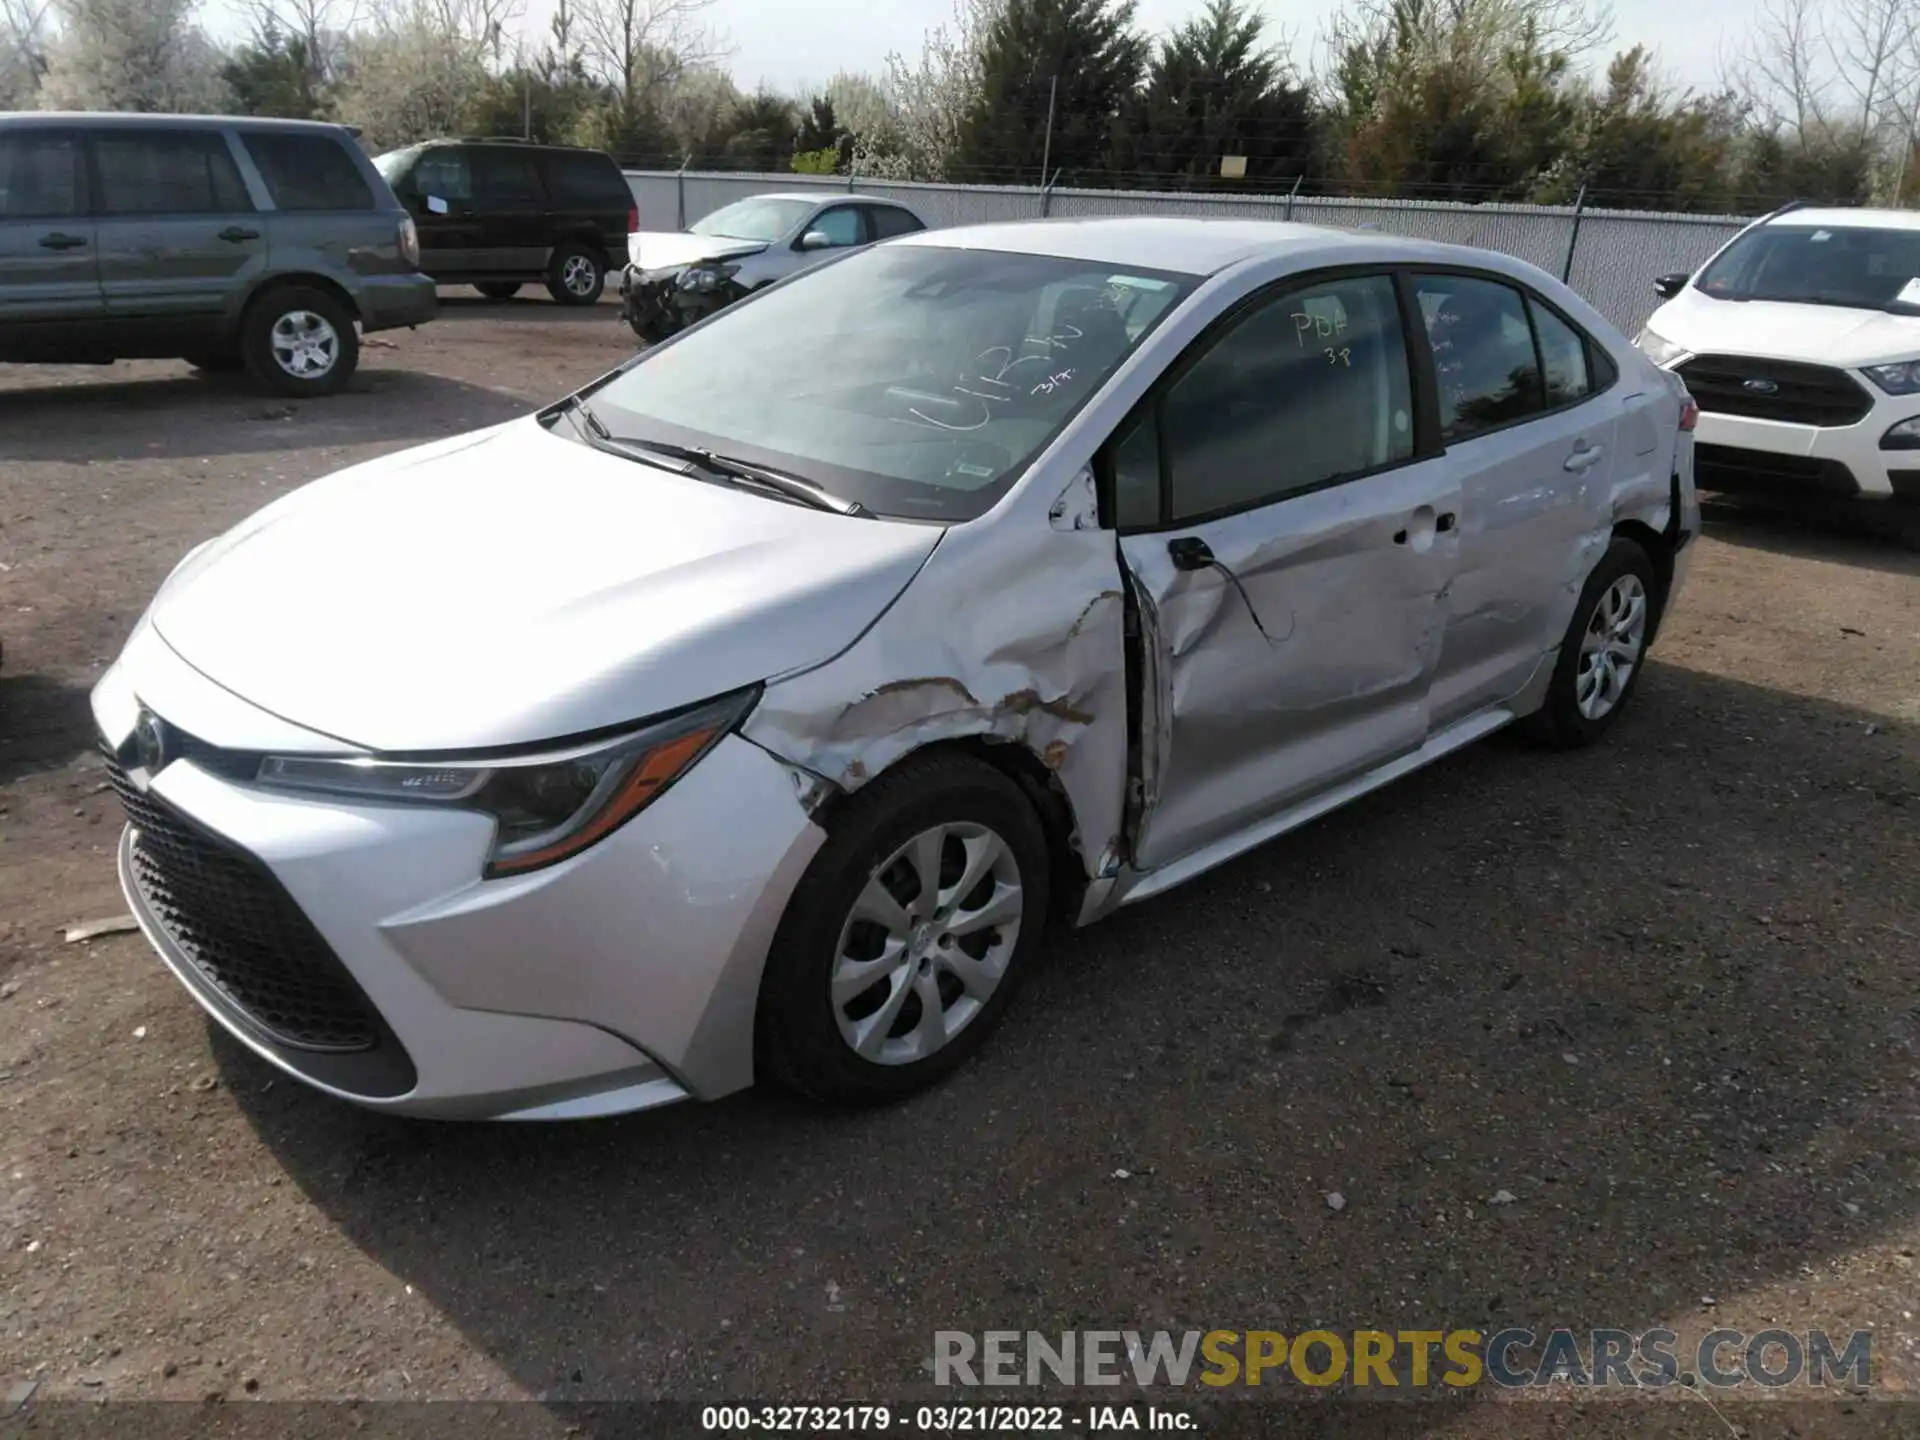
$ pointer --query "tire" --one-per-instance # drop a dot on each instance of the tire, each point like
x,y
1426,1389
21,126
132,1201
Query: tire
x,y
222,363
299,326
870,855
576,275
1581,705
499,289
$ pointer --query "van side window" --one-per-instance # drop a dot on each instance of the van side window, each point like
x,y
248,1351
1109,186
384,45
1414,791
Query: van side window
x,y
1307,388
39,175
442,174
166,172
1483,355
583,180
308,172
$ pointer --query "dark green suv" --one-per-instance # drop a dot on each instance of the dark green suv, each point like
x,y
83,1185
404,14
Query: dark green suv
x,y
228,242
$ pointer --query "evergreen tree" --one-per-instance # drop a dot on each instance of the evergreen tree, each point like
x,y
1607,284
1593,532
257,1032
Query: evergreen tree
x,y
1091,50
1215,90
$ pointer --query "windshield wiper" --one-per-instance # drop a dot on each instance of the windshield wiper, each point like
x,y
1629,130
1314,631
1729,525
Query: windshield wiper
x,y
746,473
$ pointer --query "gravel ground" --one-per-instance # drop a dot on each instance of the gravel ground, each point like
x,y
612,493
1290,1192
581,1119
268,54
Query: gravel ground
x,y
1659,997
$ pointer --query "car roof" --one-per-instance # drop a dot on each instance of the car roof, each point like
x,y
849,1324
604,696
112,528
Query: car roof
x,y
1849,217
815,197
1197,246
116,119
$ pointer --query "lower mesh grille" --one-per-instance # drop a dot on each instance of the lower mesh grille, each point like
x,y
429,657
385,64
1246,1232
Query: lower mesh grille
x,y
241,931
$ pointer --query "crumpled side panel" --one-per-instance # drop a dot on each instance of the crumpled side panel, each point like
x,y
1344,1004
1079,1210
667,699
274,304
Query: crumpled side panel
x,y
1008,633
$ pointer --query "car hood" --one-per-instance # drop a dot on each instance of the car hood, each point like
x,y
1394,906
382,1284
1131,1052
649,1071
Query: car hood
x,y
1816,334
669,249
513,586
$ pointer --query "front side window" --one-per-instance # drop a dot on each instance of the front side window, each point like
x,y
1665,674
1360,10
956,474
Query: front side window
x,y
167,172
1483,355
916,379
1857,267
1305,389
761,220
39,175
443,174
841,226
309,172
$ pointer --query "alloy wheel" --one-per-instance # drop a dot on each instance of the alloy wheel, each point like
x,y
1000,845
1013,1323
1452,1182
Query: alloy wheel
x,y
304,344
1611,647
927,943
578,275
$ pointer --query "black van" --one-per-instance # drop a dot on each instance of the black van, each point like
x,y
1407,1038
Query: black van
x,y
496,214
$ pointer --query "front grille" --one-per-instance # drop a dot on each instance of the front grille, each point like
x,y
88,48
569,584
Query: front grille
x,y
1802,394
241,931
1730,470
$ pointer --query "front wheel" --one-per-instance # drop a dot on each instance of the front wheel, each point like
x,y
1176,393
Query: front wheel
x,y
576,275
299,341
498,289
1604,650
908,935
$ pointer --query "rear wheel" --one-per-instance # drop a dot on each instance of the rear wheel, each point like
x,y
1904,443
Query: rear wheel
x,y
299,341
576,275
499,289
1604,650
908,935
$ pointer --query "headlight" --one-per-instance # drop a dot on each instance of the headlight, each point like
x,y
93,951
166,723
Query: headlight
x,y
545,807
702,279
1659,349
1900,378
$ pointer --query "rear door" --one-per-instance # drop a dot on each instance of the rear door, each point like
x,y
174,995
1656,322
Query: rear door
x,y
1289,533
587,194
512,204
886,221
49,268
179,234
1535,450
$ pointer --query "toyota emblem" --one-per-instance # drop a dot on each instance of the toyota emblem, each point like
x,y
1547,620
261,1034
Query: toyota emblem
x,y
1760,386
150,742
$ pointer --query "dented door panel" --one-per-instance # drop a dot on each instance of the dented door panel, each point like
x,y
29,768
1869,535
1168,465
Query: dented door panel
x,y
1346,585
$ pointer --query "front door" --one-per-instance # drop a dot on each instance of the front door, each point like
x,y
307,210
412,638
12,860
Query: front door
x,y
1536,452
438,192
49,264
179,235
1288,538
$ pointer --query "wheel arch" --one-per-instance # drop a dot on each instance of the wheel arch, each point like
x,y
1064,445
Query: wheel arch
x,y
295,280
1660,551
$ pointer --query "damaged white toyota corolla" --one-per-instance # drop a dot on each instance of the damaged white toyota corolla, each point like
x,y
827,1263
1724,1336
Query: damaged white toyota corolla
x,y
750,711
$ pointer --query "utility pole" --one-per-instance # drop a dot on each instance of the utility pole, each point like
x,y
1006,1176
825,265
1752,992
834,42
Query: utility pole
x,y
1046,147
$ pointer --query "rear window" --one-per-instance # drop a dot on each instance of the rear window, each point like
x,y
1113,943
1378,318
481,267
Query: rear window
x,y
586,179
309,172
167,172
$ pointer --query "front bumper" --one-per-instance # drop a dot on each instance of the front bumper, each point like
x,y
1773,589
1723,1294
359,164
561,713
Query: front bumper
x,y
655,306
619,980
1738,455
387,302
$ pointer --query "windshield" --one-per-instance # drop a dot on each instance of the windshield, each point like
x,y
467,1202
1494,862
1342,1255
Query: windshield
x,y
1854,266
762,220
393,164
918,380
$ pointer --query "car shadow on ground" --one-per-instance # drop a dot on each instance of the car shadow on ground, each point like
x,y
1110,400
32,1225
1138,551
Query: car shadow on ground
x,y
44,723
531,304
188,415
1868,535
1593,1039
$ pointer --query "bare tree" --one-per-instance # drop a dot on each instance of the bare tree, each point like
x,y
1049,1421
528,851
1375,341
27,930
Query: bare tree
x,y
137,55
320,26
641,47
413,69
1781,71
23,51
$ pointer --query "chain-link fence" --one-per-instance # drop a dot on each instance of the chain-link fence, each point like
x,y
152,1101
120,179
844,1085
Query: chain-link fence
x,y
1609,256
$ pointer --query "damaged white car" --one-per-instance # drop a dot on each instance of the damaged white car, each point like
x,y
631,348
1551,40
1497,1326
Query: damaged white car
x,y
751,711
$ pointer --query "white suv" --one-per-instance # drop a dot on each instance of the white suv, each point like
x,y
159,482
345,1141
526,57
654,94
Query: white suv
x,y
1800,341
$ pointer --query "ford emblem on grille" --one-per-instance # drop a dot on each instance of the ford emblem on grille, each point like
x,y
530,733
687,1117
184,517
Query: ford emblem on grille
x,y
1760,386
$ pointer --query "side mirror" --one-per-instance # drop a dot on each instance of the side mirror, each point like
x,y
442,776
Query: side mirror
x,y
816,240
1668,286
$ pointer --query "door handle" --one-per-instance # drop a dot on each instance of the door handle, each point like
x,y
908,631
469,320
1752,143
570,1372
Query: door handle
x,y
58,241
1584,457
234,234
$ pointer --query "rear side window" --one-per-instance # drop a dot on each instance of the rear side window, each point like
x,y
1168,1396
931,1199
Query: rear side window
x,y
39,175
1563,358
309,172
166,172
505,177
583,180
1483,353
890,220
